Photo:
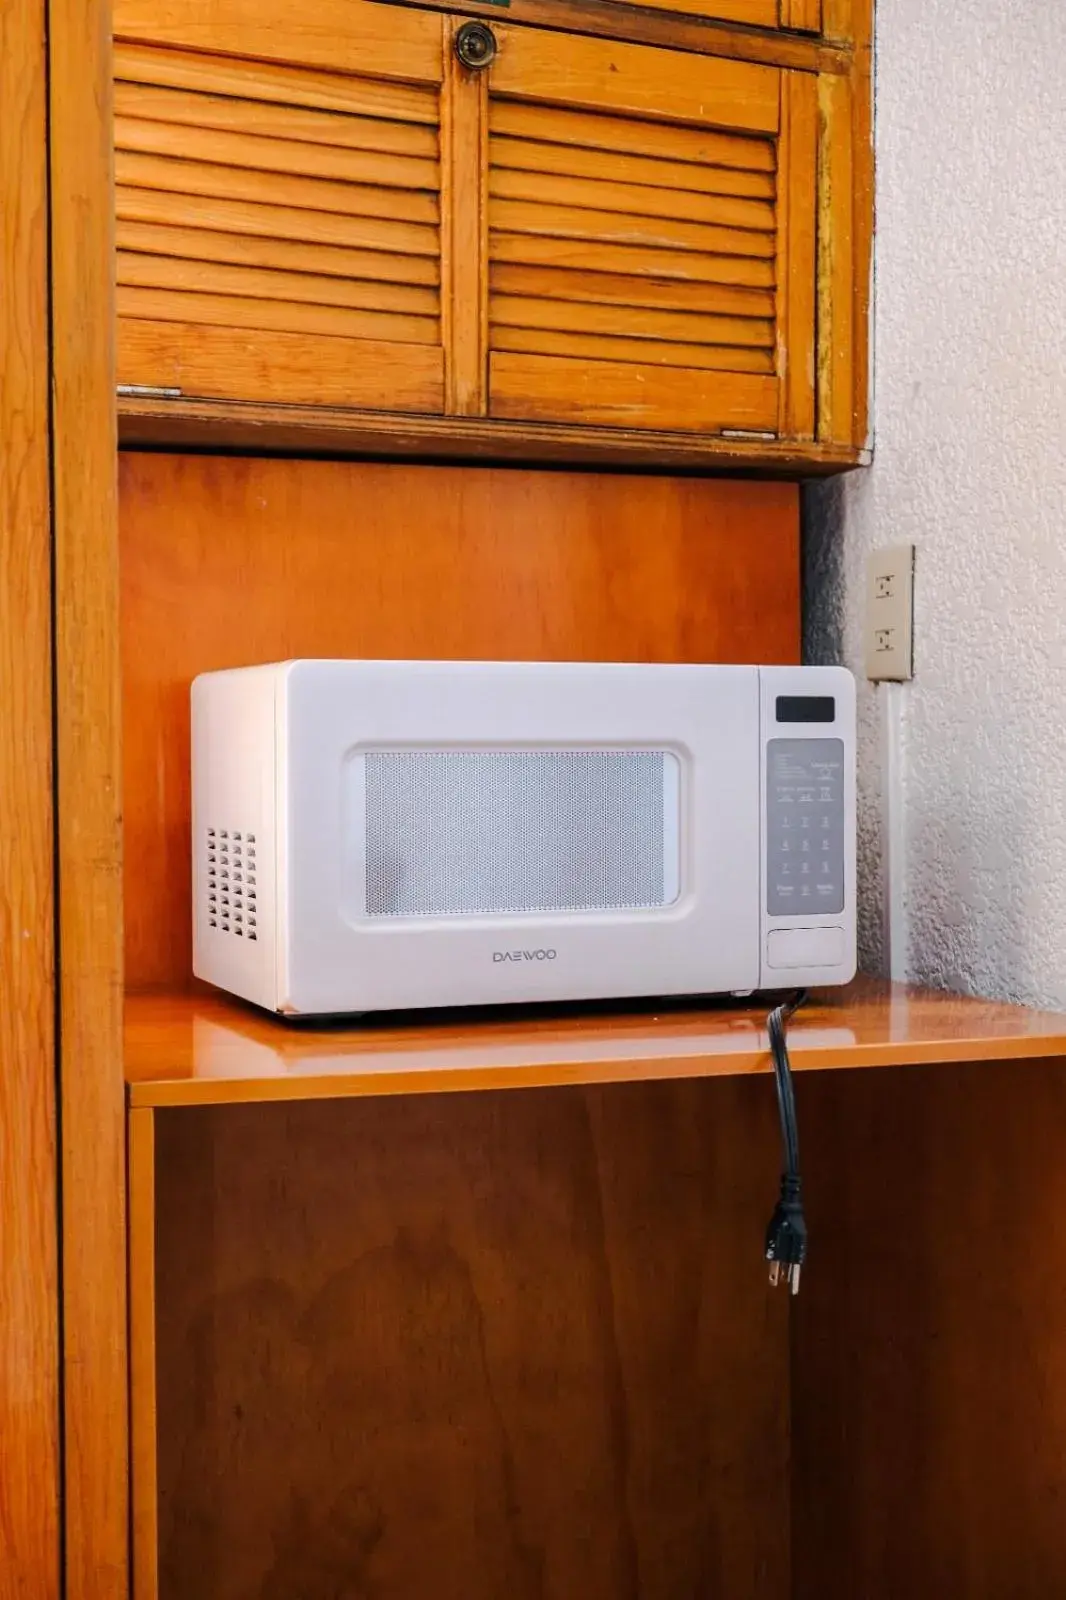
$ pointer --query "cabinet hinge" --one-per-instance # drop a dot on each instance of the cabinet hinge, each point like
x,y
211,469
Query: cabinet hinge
x,y
147,391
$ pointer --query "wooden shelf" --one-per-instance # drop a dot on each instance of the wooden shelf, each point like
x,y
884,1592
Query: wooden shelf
x,y
205,1049
190,424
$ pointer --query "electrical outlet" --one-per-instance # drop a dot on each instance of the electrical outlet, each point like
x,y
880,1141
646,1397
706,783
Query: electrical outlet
x,y
890,614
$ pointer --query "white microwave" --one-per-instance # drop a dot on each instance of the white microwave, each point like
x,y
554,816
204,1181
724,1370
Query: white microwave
x,y
378,835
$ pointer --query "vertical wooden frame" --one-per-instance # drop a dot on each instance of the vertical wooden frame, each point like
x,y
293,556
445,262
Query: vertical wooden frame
x,y
797,169
836,262
88,779
845,234
144,1452
29,1290
845,21
803,15
464,141
862,133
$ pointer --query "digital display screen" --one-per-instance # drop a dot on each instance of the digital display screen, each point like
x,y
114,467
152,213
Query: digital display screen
x,y
806,708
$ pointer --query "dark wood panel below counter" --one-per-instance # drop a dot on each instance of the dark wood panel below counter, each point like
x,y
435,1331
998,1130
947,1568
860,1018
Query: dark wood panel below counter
x,y
929,1343
497,1345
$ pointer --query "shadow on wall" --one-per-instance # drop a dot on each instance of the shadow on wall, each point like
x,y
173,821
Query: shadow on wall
x,y
824,587
976,904
823,572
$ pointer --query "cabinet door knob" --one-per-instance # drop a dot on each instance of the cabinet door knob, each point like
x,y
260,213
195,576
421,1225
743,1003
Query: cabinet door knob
x,y
475,45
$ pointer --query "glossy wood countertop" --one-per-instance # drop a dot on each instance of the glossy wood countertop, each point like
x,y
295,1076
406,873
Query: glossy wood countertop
x,y
204,1048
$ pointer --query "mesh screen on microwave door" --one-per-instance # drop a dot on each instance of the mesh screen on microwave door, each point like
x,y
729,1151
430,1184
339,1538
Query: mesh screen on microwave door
x,y
462,832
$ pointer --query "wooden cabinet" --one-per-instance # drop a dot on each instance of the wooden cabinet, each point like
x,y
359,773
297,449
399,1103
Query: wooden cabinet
x,y
278,221
330,213
651,237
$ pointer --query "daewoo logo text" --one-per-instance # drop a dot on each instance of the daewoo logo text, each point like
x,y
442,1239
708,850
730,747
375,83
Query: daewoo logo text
x,y
523,955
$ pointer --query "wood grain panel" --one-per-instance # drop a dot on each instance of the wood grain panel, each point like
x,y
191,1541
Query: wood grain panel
x,y
29,1274
611,347
277,154
262,313
308,228
497,1353
172,176
929,1360
577,222
694,147
372,272
602,194
308,369
590,255
617,288
625,79
639,322
400,135
348,560
531,155
388,302
89,778
288,87
402,43
630,395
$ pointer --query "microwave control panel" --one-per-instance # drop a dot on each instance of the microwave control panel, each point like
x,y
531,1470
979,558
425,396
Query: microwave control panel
x,y
805,827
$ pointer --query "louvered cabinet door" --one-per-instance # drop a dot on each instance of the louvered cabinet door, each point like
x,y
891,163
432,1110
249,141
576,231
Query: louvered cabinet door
x,y
278,201
651,246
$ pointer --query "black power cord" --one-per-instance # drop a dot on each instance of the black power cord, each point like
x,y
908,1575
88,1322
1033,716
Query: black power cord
x,y
786,1237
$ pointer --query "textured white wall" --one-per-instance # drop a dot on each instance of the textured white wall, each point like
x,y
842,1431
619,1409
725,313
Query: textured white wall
x,y
970,464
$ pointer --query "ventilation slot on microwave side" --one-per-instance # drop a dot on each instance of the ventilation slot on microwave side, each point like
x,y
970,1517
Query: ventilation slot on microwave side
x,y
230,878
482,832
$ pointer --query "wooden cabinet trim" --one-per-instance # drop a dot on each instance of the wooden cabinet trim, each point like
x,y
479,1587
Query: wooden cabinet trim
x,y
88,803
850,20
803,15
143,1432
673,30
797,256
464,232
29,1271
148,422
845,239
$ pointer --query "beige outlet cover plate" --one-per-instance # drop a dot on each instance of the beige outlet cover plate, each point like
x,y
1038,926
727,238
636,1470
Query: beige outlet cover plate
x,y
889,636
